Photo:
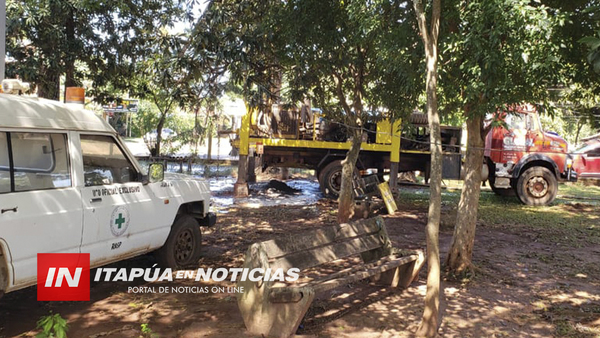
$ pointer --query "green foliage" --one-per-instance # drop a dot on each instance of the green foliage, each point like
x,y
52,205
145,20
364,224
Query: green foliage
x,y
52,326
166,76
238,36
571,127
579,92
145,120
593,43
47,38
147,331
348,57
352,56
498,53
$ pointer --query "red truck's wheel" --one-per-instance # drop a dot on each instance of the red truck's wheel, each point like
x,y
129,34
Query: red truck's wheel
x,y
537,186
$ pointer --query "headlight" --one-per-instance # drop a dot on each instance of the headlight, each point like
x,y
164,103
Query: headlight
x,y
569,163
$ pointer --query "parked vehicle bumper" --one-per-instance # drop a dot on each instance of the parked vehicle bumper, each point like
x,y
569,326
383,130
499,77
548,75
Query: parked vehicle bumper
x,y
569,176
209,220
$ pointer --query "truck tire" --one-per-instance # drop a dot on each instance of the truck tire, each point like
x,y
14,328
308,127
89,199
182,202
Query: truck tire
x,y
418,118
182,247
537,186
330,179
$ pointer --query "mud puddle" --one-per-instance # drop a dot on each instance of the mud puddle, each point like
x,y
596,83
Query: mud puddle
x,y
261,194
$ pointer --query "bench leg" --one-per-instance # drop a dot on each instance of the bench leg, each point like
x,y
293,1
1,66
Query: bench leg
x,y
288,316
403,275
410,272
389,278
272,319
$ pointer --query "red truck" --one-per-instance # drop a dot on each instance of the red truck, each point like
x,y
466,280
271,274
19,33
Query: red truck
x,y
524,160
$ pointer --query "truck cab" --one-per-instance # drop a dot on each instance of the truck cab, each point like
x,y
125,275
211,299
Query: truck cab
x,y
524,160
68,184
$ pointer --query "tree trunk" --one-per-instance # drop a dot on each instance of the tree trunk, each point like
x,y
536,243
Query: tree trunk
x,y
461,249
208,124
394,176
346,199
580,124
159,128
70,58
431,314
49,87
210,141
197,136
430,322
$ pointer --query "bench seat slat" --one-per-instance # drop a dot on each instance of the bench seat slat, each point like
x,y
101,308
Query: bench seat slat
x,y
327,253
366,266
290,243
362,274
285,294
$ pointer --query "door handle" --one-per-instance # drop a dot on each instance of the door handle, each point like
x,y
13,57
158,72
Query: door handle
x,y
96,200
8,209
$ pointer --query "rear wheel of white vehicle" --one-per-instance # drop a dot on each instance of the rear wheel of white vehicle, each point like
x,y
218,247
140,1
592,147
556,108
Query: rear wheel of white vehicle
x,y
183,245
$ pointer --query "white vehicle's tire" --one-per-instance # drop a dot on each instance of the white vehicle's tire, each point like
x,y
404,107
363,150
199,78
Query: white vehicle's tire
x,y
183,245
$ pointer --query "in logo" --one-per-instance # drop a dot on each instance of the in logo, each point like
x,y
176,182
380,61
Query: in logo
x,y
63,277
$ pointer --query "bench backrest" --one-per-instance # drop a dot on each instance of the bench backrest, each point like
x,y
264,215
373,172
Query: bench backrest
x,y
327,244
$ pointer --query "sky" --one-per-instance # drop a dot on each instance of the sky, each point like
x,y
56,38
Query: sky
x,y
198,8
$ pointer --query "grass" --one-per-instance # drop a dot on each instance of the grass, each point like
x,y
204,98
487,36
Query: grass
x,y
579,190
568,219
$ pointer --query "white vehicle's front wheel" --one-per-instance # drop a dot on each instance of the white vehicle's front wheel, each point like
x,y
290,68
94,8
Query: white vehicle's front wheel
x,y
182,247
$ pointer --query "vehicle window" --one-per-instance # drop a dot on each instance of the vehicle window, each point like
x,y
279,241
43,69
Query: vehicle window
x,y
588,149
4,164
104,162
594,152
516,121
40,161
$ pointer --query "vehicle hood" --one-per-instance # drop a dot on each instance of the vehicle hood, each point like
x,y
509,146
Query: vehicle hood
x,y
188,186
556,138
182,177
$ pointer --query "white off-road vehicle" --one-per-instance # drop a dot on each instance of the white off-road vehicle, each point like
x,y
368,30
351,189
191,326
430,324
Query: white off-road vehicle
x,y
69,185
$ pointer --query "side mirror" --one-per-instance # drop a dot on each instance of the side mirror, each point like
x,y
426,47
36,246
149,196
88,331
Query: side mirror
x,y
156,172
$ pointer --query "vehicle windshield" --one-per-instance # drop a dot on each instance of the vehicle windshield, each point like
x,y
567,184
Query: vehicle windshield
x,y
587,147
516,121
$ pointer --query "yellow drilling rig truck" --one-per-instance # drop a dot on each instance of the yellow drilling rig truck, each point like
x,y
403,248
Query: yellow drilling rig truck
x,y
302,138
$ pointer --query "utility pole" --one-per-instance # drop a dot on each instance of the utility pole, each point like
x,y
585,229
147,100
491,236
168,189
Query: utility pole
x,y
2,39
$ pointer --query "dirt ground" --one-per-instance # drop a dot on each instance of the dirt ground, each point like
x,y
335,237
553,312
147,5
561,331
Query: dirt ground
x,y
528,284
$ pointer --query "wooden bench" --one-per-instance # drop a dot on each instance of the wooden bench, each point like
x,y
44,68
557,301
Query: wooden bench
x,y
275,309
